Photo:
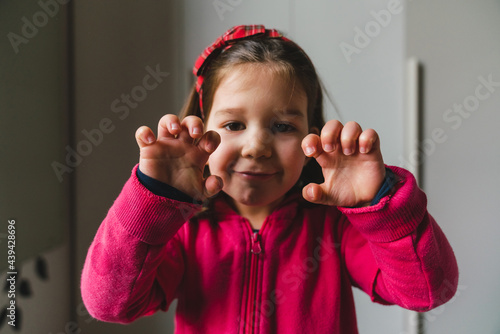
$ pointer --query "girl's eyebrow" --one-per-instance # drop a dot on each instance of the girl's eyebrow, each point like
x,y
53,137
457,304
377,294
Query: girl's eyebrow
x,y
290,112
227,111
280,112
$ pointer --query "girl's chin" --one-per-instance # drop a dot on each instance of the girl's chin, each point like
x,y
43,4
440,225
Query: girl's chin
x,y
256,201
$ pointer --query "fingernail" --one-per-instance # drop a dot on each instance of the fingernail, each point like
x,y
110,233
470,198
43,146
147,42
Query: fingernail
x,y
309,150
362,150
150,139
174,126
347,151
211,147
328,148
196,130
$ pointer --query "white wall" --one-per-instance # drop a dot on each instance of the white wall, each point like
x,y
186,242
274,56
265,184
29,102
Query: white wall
x,y
457,42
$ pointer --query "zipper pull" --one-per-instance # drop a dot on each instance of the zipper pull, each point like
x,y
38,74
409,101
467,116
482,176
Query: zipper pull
x,y
256,247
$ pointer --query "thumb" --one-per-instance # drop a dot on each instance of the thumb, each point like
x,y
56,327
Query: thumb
x,y
213,184
314,193
144,136
209,142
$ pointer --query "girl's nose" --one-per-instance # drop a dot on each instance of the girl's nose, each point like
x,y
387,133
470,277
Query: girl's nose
x,y
258,144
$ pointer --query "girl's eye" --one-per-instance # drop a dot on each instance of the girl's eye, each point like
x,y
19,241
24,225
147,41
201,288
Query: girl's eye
x,y
234,126
283,127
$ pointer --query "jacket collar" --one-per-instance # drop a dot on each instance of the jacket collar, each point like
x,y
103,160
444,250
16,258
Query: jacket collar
x,y
285,211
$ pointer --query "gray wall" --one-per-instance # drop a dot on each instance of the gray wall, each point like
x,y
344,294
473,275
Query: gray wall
x,y
457,42
33,110
32,119
117,44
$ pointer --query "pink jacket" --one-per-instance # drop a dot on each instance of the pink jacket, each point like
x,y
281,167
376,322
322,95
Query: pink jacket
x,y
293,276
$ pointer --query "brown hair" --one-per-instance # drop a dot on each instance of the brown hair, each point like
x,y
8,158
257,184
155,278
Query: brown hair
x,y
283,56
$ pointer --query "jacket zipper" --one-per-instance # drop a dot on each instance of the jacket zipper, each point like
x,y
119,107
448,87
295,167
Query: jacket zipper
x,y
256,250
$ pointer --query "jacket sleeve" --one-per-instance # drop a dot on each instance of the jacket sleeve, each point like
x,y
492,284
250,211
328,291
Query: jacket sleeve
x,y
396,252
136,240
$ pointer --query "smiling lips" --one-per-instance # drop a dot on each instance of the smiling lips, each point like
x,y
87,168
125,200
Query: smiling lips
x,y
256,176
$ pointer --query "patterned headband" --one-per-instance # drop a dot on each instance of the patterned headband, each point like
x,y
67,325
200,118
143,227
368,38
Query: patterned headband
x,y
224,42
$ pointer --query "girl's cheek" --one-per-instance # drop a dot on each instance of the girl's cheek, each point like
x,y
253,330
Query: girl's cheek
x,y
292,146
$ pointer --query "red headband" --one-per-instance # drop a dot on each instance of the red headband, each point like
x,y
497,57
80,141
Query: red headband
x,y
231,36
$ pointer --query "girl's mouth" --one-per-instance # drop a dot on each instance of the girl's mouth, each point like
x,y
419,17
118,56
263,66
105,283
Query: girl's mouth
x,y
256,176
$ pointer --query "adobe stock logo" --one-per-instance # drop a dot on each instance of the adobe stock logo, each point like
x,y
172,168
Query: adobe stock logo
x,y
454,117
30,29
373,28
121,107
223,6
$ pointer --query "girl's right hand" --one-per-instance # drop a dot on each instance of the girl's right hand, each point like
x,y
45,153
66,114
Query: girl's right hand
x,y
179,154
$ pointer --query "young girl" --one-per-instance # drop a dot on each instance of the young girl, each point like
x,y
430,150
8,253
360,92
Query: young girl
x,y
257,216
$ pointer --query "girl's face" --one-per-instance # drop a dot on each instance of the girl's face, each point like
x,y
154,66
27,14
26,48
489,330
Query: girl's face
x,y
262,120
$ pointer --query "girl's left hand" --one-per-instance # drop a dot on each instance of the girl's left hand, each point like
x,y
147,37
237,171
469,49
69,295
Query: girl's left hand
x,y
352,165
